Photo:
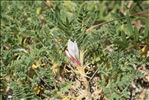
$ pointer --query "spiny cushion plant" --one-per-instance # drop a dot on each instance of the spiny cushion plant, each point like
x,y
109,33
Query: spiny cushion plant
x,y
111,40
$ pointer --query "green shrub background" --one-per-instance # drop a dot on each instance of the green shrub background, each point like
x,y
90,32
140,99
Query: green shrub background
x,y
35,33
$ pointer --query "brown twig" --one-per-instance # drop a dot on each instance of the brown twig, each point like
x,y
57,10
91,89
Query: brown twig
x,y
144,13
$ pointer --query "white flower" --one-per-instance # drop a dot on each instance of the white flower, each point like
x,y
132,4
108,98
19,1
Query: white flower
x,y
73,48
72,52
148,54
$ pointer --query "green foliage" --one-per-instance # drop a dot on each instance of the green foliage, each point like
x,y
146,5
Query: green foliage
x,y
32,31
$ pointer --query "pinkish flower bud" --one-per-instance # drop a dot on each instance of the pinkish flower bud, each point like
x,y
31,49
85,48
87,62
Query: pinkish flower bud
x,y
72,52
